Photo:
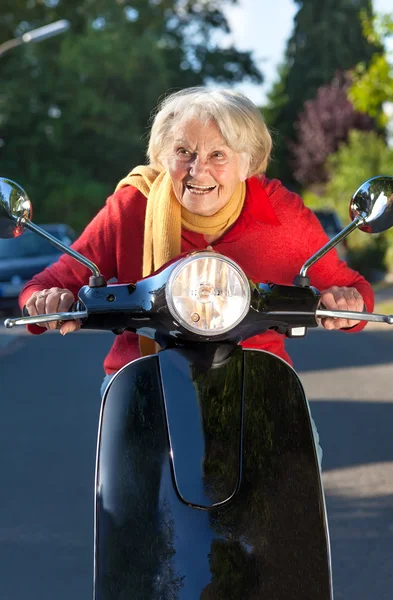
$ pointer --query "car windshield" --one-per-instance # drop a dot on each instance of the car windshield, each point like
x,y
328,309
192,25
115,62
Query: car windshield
x,y
27,245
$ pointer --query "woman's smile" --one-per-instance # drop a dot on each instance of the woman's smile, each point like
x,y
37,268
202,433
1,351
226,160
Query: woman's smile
x,y
200,189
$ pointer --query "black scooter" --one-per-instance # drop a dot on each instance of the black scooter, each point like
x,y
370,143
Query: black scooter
x,y
207,479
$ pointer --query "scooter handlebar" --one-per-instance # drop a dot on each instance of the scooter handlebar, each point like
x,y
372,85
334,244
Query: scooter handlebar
x,y
75,313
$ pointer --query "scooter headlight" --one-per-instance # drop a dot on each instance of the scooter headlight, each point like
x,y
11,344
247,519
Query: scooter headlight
x,y
208,294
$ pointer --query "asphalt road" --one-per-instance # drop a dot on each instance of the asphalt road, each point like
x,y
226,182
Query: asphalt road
x,y
49,415
49,401
349,380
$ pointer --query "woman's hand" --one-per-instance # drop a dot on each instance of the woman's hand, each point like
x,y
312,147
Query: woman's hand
x,y
341,298
49,301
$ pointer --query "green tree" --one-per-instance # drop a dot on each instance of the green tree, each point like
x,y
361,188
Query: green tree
x,y
74,110
373,83
365,155
327,37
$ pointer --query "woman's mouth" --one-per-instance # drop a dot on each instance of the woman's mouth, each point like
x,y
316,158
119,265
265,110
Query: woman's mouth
x,y
200,189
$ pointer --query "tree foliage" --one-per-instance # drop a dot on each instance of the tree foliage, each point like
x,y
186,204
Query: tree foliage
x,y
327,37
74,109
373,83
323,125
363,156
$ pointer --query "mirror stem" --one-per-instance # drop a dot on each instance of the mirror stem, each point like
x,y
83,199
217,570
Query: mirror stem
x,y
357,222
97,280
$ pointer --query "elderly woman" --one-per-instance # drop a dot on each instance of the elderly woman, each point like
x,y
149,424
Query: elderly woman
x,y
204,188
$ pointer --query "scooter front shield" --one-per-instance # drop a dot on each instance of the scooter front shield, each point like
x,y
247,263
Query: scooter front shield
x,y
207,483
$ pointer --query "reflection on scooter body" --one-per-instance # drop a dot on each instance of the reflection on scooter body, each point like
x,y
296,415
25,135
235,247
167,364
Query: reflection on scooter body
x,y
208,484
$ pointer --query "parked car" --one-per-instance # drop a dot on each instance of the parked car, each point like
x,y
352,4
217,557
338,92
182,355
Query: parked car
x,y
25,256
332,225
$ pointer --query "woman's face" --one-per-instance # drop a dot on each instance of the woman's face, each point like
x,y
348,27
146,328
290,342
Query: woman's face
x,y
203,169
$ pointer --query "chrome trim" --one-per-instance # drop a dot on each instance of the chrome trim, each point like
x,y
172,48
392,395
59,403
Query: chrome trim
x,y
357,222
35,320
58,244
355,316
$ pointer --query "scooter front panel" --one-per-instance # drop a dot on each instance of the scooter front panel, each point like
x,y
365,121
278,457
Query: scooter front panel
x,y
268,542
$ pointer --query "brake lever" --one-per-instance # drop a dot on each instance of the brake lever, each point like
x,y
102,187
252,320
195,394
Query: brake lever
x,y
72,315
354,316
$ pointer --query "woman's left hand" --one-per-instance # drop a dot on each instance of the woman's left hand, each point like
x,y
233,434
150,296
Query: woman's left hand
x,y
341,298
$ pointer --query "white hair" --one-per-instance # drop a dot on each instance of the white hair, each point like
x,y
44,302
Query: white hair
x,y
240,122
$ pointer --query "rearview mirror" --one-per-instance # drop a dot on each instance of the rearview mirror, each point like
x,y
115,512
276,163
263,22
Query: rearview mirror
x,y
15,217
373,201
370,209
14,205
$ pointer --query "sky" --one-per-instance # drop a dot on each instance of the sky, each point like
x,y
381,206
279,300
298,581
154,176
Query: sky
x,y
264,27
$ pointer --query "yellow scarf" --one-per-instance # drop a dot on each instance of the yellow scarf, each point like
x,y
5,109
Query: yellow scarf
x,y
165,217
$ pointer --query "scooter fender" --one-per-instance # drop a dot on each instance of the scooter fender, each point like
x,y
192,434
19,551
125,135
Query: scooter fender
x,y
207,483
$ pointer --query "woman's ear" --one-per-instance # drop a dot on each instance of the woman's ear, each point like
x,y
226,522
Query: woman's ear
x,y
244,166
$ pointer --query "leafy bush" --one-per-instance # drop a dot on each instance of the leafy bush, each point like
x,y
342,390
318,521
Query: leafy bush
x,y
365,155
370,259
373,83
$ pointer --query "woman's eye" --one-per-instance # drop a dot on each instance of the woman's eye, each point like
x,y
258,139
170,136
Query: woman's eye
x,y
182,151
218,155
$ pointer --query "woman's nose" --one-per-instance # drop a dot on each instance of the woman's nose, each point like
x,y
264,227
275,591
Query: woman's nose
x,y
198,166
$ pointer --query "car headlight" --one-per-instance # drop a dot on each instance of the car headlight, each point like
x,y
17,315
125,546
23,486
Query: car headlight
x,y
208,294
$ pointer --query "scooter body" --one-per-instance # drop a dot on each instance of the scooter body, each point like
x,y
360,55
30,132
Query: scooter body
x,y
207,483
207,479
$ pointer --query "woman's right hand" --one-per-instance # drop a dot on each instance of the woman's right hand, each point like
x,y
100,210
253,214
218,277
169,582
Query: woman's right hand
x,y
53,300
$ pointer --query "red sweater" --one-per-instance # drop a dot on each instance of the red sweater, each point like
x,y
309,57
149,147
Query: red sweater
x,y
271,240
